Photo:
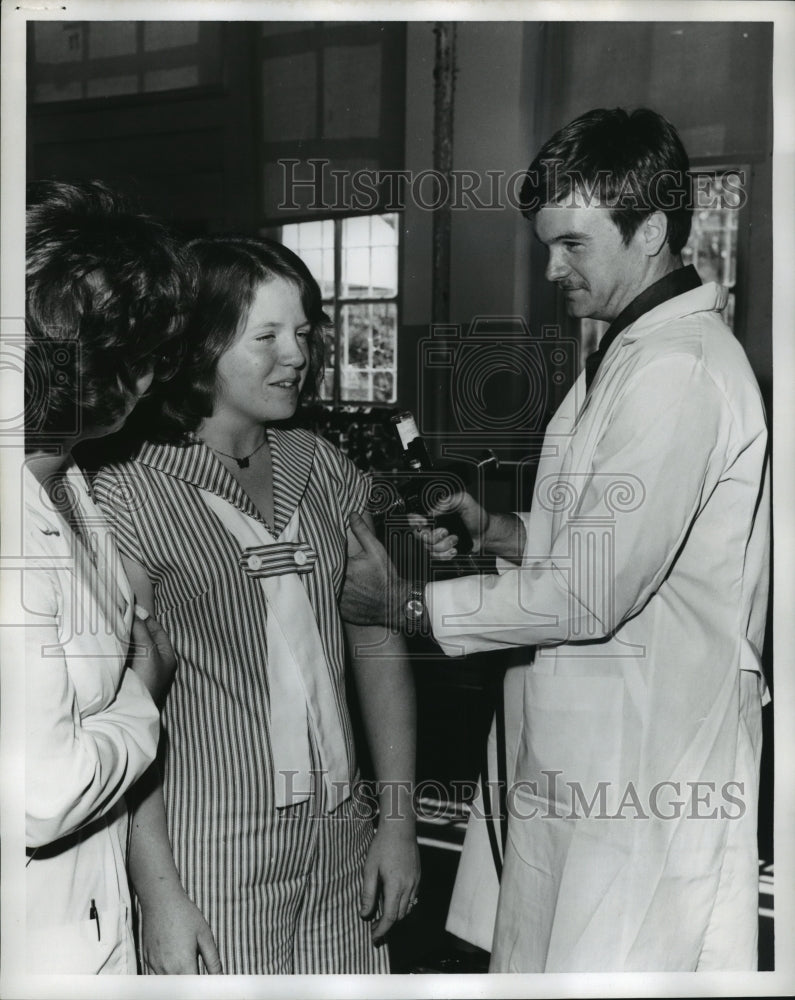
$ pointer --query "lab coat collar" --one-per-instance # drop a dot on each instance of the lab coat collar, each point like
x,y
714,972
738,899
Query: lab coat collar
x,y
708,298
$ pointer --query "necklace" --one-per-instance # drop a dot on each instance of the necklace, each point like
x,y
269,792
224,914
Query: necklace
x,y
242,463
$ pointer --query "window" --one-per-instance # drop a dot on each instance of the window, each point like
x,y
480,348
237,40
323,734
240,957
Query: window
x,y
712,247
355,261
74,60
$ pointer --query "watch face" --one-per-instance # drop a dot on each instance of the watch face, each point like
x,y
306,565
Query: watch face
x,y
415,608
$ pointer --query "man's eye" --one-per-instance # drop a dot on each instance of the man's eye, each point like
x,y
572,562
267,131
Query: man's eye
x,y
572,245
266,336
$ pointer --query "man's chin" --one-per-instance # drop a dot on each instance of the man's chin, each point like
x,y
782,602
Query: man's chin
x,y
575,308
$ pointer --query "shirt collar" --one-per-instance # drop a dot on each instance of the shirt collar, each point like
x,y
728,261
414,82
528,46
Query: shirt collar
x,y
677,282
292,455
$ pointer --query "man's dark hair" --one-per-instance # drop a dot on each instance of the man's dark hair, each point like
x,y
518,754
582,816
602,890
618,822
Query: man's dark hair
x,y
634,163
106,295
230,271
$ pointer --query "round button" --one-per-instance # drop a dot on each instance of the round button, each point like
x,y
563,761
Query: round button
x,y
254,562
300,557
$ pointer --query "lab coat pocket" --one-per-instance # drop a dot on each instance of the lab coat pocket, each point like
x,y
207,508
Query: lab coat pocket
x,y
96,944
570,750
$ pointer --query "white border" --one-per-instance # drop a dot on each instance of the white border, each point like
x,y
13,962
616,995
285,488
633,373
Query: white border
x,y
779,983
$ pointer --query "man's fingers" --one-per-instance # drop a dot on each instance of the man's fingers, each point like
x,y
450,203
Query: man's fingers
x,y
447,503
363,535
140,637
146,630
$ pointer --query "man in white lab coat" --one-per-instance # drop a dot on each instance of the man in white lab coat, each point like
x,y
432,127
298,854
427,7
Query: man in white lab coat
x,y
640,575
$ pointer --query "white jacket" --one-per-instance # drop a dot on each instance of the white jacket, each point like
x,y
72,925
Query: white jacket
x,y
91,731
644,585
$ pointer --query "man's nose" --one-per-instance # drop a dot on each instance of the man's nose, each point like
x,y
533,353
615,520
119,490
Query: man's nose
x,y
557,267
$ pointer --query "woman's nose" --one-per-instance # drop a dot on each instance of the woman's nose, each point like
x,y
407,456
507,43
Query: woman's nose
x,y
294,352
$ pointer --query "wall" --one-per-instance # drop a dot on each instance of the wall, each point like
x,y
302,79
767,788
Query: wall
x,y
187,156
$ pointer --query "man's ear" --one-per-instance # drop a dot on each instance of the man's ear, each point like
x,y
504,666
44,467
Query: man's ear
x,y
654,231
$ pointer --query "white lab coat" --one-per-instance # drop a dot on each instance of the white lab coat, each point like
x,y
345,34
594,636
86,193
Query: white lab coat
x,y
644,586
91,731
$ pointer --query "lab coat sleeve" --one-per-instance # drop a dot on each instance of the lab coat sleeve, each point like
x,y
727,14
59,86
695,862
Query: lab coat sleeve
x,y
658,455
77,768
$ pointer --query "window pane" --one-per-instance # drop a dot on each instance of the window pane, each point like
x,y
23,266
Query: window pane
x,y
384,269
314,244
176,78
111,38
384,230
356,231
368,338
369,256
108,86
57,43
712,246
160,35
356,272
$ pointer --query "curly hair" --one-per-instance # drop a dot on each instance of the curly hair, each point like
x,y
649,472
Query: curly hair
x,y
634,163
107,294
230,271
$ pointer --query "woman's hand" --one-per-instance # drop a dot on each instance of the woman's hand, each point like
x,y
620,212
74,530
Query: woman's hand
x,y
152,656
438,541
175,935
391,875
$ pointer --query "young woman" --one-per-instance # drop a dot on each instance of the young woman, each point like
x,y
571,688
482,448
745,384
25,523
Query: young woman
x,y
106,290
238,544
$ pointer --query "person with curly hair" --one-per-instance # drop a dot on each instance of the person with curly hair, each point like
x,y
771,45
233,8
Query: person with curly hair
x,y
106,294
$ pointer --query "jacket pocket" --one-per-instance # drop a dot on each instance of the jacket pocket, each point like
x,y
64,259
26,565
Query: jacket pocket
x,y
100,943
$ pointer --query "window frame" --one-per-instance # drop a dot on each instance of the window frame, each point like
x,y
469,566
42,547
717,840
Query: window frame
x,y
335,400
708,165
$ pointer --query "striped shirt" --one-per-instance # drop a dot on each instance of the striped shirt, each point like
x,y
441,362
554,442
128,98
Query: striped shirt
x,y
237,855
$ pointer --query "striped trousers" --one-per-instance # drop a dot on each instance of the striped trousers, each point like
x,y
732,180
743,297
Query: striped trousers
x,y
296,910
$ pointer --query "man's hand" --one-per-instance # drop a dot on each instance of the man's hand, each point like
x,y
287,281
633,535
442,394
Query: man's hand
x,y
152,656
438,541
498,534
175,935
373,593
391,874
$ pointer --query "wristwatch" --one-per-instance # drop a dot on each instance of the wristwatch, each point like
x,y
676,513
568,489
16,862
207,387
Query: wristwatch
x,y
414,608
